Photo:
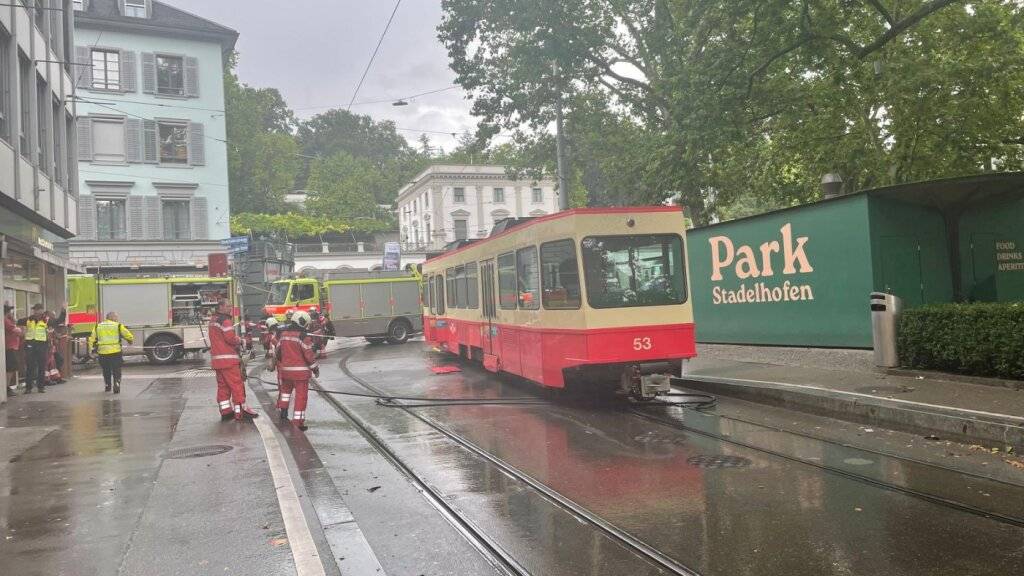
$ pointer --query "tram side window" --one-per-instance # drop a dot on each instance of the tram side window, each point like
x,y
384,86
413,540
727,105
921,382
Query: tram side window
x,y
507,281
472,288
635,270
449,275
425,292
437,302
528,278
560,276
460,286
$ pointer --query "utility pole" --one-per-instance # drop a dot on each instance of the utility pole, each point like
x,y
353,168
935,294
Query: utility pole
x,y
563,182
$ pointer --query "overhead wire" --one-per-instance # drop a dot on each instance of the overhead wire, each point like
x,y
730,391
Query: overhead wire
x,y
374,55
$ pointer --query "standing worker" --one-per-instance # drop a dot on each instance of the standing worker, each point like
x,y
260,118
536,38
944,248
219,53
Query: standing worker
x,y
316,332
36,345
105,340
225,360
296,363
12,342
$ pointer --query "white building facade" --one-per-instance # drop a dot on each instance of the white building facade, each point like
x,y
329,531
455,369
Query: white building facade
x,y
449,202
153,168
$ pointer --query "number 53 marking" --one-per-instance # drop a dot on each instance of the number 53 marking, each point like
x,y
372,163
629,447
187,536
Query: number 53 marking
x,y
641,343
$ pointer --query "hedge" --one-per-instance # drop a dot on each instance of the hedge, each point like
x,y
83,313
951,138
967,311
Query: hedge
x,y
983,339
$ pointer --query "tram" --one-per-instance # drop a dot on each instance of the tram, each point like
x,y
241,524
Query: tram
x,y
590,297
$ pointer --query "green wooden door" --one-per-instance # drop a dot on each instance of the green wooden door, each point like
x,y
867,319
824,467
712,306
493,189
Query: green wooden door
x,y
901,269
983,264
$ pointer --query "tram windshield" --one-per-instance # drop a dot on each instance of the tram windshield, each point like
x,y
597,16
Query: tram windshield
x,y
636,270
278,293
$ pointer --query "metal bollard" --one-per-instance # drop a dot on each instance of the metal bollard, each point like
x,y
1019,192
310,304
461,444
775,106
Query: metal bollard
x,y
885,318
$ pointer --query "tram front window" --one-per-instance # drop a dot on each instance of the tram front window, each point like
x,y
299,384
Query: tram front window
x,y
278,294
636,270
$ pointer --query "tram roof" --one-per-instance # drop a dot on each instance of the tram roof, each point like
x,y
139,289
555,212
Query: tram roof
x,y
558,216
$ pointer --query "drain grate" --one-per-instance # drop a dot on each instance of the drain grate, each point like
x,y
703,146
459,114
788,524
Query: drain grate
x,y
718,461
197,451
885,389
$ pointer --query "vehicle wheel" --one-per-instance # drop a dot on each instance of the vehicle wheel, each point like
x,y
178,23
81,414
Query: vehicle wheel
x,y
375,339
398,331
163,349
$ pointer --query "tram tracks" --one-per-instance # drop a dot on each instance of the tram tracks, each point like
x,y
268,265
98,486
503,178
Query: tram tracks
x,y
492,550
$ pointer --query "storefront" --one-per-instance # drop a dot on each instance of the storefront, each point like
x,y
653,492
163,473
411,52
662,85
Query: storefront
x,y
802,276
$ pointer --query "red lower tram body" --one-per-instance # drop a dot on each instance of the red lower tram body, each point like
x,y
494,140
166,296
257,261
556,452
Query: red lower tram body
x,y
552,356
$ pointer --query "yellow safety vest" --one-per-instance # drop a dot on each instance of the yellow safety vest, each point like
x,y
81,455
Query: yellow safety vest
x,y
35,330
106,337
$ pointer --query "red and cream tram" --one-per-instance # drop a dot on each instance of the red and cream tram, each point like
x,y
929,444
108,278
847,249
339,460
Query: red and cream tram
x,y
592,296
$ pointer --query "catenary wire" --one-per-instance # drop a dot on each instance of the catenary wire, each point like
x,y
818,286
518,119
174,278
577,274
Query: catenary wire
x,y
374,55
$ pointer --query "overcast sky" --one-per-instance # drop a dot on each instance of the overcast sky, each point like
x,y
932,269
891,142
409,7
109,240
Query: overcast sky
x,y
314,52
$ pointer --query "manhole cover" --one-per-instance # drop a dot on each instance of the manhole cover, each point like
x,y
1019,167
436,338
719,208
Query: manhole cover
x,y
718,461
197,451
885,389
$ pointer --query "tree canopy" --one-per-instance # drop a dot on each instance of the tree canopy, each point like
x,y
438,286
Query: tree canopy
x,y
717,100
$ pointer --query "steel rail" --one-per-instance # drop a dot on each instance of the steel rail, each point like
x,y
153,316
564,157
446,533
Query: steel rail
x,y
624,538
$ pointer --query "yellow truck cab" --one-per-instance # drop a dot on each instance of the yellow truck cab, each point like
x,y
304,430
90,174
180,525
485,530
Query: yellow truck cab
x,y
293,294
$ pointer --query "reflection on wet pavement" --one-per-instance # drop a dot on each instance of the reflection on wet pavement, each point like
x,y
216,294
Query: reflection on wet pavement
x,y
712,505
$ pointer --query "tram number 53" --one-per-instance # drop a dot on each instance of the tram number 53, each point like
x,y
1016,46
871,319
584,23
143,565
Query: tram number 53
x,y
642,343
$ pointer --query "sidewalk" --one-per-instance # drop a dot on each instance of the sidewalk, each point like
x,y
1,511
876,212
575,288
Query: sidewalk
x,y
149,482
843,384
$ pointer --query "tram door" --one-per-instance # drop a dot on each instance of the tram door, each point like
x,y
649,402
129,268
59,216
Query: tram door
x,y
488,304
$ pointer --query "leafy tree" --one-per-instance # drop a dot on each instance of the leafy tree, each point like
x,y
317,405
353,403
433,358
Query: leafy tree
x,y
726,97
342,186
299,225
262,160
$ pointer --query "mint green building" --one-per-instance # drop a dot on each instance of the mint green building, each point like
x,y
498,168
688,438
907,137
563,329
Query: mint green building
x,y
153,167
802,276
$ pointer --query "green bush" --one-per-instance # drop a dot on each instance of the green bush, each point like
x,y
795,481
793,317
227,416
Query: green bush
x,y
984,339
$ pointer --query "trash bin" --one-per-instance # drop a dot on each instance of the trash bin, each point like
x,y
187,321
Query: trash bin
x,y
885,321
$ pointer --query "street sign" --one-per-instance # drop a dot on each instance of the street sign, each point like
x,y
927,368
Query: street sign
x,y
392,256
236,244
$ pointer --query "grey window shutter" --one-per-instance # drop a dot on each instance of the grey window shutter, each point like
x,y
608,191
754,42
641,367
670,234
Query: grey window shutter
x,y
196,144
129,71
85,139
191,77
154,226
149,142
83,74
136,218
199,216
149,73
86,217
133,139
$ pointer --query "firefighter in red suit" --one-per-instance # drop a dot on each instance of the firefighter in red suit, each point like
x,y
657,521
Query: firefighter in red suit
x,y
296,364
225,360
316,331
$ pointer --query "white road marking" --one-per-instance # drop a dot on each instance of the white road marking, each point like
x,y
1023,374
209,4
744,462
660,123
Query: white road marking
x,y
300,539
808,387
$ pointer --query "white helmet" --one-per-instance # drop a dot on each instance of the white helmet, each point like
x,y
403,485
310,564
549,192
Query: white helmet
x,y
301,319
271,322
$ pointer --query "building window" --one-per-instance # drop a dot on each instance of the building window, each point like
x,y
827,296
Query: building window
x,y
459,194
461,229
177,225
106,69
560,276
5,86
110,219
499,195
43,125
135,8
170,75
108,140
25,127
538,195
58,147
173,142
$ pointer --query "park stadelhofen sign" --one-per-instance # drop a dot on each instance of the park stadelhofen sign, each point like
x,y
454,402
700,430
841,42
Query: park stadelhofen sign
x,y
767,269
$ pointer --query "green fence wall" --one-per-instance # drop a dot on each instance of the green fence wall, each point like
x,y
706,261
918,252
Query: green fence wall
x,y
910,252
812,292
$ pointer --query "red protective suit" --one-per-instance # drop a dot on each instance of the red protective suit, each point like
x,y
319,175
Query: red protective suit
x,y
224,359
296,363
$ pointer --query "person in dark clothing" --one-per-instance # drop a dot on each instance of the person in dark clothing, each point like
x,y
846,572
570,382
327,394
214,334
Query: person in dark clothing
x,y
36,345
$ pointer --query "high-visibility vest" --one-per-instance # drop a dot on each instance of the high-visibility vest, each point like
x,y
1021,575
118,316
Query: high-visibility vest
x,y
106,337
35,330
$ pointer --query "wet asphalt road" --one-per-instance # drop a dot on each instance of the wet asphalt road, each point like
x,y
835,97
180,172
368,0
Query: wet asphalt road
x,y
708,504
